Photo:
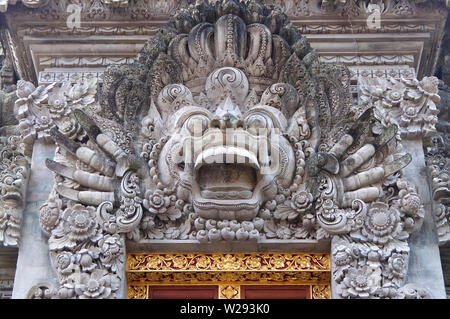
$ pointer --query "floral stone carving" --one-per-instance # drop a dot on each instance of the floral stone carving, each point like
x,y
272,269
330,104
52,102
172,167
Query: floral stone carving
x,y
408,103
13,181
210,136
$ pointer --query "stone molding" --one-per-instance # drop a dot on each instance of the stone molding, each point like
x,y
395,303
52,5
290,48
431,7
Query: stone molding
x,y
438,163
296,7
112,20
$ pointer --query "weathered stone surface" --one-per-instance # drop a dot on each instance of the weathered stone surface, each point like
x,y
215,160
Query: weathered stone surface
x,y
33,265
228,130
211,137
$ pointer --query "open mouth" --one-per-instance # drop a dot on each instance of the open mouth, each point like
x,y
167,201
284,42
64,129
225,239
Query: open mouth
x,y
226,184
11,193
227,181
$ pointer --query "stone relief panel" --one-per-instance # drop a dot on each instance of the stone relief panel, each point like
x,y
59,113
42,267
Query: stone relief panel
x,y
14,166
439,163
13,176
210,136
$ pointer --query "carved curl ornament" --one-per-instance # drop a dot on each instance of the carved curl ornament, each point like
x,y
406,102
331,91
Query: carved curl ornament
x,y
210,136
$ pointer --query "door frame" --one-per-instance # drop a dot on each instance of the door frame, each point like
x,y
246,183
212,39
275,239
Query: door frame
x,y
228,271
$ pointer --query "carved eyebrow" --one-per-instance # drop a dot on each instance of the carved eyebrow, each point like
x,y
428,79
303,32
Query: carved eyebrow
x,y
276,116
183,114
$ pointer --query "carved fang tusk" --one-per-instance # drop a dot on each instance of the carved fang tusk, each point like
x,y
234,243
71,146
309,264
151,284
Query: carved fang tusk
x,y
94,181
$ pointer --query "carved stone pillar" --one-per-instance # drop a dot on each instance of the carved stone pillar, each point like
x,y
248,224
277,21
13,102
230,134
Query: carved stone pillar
x,y
425,262
33,264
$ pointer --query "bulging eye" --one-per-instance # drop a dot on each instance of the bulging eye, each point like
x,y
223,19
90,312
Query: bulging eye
x,y
8,180
257,124
197,124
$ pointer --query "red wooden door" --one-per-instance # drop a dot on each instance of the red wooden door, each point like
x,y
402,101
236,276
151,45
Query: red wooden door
x,y
275,292
183,292
247,292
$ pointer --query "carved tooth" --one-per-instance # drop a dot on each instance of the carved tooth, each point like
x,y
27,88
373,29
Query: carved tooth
x,y
216,155
364,179
356,160
93,181
365,194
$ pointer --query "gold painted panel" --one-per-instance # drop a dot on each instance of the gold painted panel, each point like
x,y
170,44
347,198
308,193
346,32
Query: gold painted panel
x,y
229,272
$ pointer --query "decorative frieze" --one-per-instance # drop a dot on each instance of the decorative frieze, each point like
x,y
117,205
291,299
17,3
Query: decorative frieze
x,y
228,262
229,272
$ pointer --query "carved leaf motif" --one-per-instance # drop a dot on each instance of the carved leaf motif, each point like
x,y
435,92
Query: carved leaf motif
x,y
270,229
285,212
302,233
322,234
155,233
185,229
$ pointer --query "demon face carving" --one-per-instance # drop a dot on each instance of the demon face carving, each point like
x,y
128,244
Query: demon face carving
x,y
229,160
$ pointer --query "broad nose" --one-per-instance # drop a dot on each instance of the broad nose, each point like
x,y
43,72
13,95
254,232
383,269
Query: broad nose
x,y
226,122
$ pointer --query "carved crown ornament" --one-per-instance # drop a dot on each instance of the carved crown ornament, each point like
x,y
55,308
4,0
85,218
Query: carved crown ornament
x,y
228,128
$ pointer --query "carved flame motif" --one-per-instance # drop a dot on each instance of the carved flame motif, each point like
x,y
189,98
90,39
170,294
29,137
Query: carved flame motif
x,y
228,128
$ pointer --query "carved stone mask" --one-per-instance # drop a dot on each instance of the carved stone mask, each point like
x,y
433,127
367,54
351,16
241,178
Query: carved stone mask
x,y
226,158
